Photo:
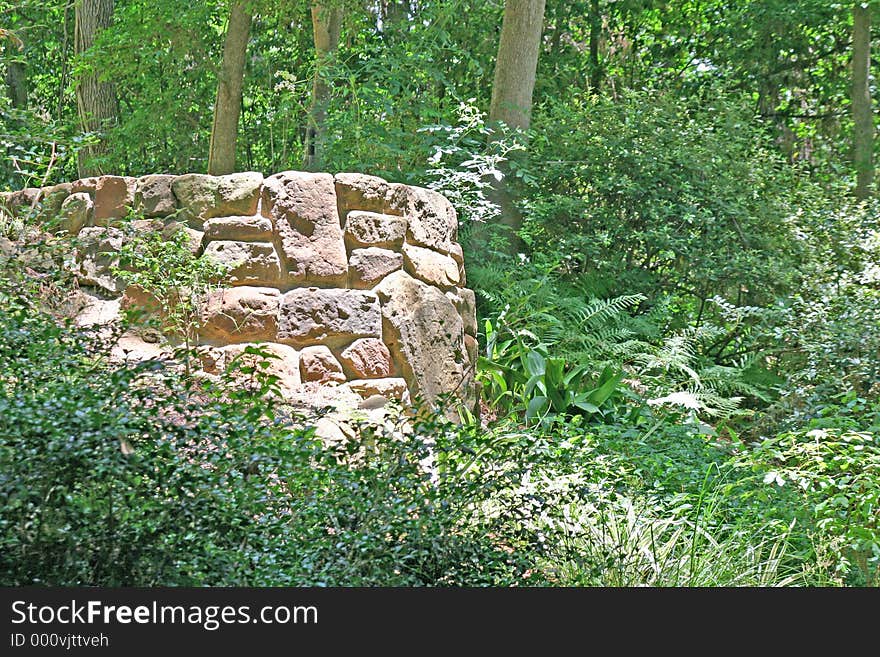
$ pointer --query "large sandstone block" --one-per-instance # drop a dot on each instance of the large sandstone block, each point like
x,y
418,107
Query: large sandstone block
x,y
431,267
241,314
367,267
51,200
153,196
432,221
303,210
202,197
97,255
364,229
86,185
76,212
24,201
114,197
241,229
356,191
390,388
312,315
318,364
238,193
367,358
465,302
194,238
425,336
250,263
281,361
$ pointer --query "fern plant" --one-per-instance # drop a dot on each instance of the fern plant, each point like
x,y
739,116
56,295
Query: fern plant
x,y
678,373
551,349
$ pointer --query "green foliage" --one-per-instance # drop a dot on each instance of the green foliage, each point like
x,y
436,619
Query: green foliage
x,y
685,357
172,277
836,473
129,475
566,368
653,193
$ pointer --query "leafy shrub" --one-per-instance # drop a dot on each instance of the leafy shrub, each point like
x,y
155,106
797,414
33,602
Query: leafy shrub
x,y
836,474
174,279
654,193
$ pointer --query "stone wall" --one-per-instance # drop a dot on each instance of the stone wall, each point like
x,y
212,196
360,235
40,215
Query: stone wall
x,y
356,283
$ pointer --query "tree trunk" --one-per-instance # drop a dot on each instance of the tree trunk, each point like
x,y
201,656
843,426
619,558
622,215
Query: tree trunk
x,y
515,71
227,108
16,85
326,25
95,100
517,63
863,120
62,78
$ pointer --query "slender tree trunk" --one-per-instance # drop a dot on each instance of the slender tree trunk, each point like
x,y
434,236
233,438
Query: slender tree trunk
x,y
95,99
514,83
16,85
863,120
595,32
227,108
326,25
62,78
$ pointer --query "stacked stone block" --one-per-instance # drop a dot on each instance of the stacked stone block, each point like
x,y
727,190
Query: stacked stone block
x,y
351,280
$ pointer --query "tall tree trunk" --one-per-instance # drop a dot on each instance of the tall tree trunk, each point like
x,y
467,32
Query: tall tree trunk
x,y
515,70
517,63
227,108
16,85
62,78
595,31
326,25
95,100
863,120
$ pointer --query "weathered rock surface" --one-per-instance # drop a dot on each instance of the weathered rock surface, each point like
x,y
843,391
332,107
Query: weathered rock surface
x,y
87,185
369,193
431,267
202,197
153,196
318,363
51,200
433,222
95,258
390,388
364,229
303,210
21,202
241,229
76,212
366,267
465,302
114,197
194,238
97,311
238,194
425,334
250,263
367,358
313,315
282,361
241,314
